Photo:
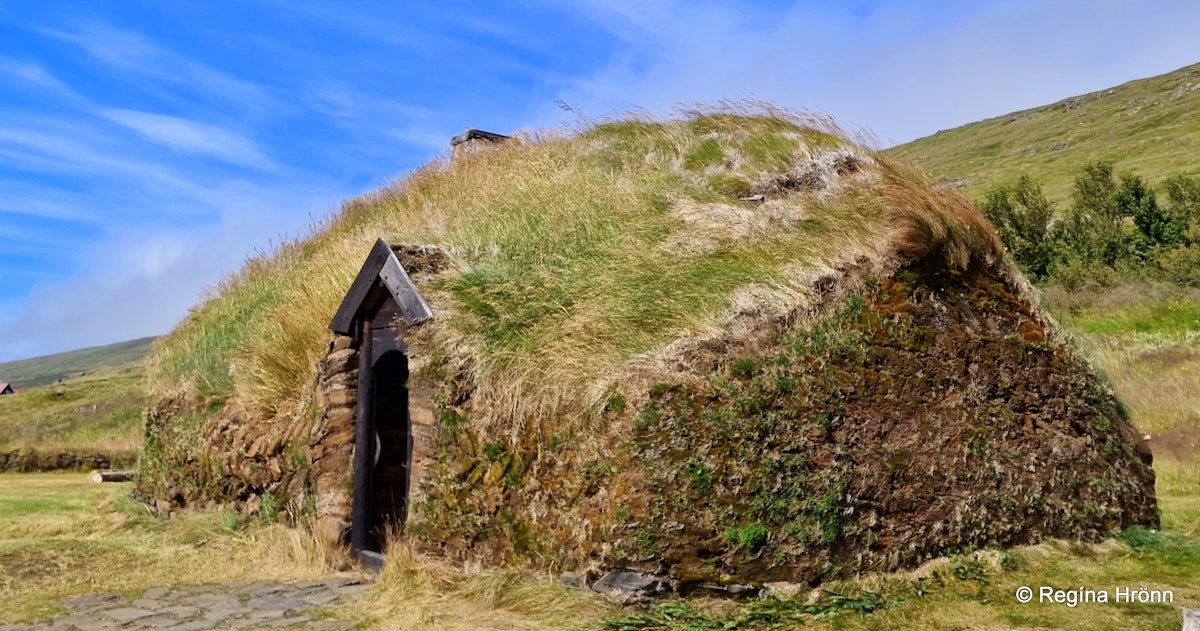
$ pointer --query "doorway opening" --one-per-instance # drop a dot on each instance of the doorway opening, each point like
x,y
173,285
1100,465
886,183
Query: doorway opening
x,y
392,448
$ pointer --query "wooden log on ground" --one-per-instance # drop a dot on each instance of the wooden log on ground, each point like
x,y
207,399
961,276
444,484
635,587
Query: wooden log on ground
x,y
111,475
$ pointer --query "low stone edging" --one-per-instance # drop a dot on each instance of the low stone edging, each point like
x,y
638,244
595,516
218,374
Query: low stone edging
x,y
31,460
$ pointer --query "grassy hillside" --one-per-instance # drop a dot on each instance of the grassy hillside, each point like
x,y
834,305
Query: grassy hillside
x,y
37,371
97,413
1149,126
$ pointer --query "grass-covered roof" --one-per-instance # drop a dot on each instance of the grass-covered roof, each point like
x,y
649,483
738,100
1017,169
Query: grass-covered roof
x,y
575,254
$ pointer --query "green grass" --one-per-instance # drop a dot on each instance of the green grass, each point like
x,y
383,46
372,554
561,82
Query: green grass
x,y
62,536
38,371
1149,309
196,356
1146,338
100,412
1150,127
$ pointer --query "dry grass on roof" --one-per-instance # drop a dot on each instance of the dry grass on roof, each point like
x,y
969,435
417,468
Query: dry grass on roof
x,y
575,253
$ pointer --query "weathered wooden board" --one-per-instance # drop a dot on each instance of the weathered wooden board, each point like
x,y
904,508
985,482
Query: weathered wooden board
x,y
381,268
412,305
343,320
364,443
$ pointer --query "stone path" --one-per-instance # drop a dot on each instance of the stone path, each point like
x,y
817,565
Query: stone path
x,y
252,607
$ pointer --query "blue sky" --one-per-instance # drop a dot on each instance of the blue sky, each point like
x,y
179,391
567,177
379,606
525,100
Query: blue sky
x,y
147,147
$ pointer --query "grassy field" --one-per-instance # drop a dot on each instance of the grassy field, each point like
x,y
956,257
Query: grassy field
x,y
39,371
1149,126
61,535
97,413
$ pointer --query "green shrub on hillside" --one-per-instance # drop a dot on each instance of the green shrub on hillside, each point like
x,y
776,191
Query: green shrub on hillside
x,y
1182,265
1184,195
1095,228
1022,216
1114,229
1157,228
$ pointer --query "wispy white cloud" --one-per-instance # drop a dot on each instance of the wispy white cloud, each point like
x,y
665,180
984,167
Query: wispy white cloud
x,y
135,54
904,69
69,150
192,137
112,46
34,74
140,279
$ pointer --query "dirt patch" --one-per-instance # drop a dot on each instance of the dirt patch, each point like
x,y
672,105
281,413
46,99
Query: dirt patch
x,y
1169,357
33,565
1181,443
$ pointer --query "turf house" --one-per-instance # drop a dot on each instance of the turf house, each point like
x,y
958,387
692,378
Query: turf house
x,y
732,346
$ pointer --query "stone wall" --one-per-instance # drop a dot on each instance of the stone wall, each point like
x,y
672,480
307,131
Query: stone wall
x,y
33,460
337,396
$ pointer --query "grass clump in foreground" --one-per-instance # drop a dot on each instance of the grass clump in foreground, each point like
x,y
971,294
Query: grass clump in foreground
x,y
62,536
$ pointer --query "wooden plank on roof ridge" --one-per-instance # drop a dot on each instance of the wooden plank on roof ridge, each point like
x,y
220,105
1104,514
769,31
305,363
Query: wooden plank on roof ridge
x,y
411,304
343,320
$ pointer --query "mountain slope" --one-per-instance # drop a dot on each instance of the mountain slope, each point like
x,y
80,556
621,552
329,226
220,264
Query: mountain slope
x,y
38,371
1150,127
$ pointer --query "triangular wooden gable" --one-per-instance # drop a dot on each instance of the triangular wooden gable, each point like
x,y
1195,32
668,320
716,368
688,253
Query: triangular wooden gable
x,y
380,272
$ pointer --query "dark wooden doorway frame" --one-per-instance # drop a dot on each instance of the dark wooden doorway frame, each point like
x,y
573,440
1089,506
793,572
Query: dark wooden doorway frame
x,y
379,306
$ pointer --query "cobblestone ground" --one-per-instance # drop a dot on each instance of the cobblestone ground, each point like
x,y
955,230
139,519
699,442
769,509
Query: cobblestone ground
x,y
199,607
